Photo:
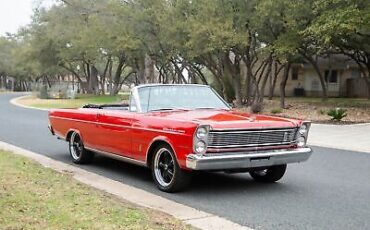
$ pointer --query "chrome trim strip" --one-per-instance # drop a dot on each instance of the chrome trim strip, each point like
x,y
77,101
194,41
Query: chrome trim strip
x,y
256,129
251,145
120,126
246,160
251,131
159,84
118,157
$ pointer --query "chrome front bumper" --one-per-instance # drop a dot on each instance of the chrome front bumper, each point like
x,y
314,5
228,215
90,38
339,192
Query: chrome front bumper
x,y
245,160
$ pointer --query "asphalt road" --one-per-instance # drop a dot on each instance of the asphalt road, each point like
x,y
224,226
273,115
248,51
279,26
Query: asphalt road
x,y
330,191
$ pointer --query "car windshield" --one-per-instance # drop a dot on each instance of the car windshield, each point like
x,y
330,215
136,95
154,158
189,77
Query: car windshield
x,y
169,97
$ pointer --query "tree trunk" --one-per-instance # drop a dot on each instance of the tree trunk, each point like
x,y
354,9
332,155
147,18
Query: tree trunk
x,y
2,82
180,76
274,81
117,75
264,81
103,77
319,74
248,82
283,84
48,81
93,83
110,78
233,69
149,70
198,72
140,68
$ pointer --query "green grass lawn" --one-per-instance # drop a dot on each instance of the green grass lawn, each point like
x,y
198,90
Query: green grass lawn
x,y
34,197
71,103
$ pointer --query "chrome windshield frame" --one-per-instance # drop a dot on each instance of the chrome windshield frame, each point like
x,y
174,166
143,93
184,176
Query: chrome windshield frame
x,y
135,94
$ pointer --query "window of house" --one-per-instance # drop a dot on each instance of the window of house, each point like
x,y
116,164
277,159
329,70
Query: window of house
x,y
331,76
295,73
355,73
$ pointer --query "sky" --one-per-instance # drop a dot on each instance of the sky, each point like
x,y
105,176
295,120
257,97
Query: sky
x,y
16,13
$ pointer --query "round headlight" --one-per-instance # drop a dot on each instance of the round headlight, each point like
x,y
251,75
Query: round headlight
x,y
202,132
301,142
200,146
303,129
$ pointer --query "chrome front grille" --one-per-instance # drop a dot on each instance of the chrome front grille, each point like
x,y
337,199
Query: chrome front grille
x,y
251,138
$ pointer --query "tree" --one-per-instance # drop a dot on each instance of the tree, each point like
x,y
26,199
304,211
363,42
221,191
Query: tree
x,y
344,27
240,47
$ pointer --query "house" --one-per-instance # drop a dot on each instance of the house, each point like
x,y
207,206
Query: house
x,y
342,76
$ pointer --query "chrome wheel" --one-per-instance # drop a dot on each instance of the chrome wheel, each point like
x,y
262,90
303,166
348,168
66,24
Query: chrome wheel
x,y
76,146
164,167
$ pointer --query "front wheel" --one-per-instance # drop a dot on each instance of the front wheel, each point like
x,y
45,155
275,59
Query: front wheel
x,y
77,150
269,175
167,174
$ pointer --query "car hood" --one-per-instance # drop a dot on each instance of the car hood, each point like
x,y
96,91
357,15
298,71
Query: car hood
x,y
224,119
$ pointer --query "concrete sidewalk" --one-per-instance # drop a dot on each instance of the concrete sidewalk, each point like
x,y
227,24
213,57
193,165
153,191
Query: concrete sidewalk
x,y
348,137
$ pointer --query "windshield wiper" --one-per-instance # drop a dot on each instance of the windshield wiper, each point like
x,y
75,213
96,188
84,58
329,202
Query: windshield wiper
x,y
212,108
206,108
167,109
209,108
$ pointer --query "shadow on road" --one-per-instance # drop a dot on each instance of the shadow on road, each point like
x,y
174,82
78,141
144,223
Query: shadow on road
x,y
203,182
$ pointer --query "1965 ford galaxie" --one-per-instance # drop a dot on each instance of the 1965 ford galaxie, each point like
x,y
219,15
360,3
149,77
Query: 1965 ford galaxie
x,y
177,129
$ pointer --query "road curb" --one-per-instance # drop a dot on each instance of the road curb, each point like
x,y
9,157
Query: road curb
x,y
14,101
189,215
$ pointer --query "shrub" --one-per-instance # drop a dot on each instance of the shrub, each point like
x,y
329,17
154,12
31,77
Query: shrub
x,y
276,111
337,114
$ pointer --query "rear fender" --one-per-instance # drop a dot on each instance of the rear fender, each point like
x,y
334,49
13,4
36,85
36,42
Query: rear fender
x,y
69,133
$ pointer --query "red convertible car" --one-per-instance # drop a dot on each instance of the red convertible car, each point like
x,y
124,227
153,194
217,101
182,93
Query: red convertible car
x,y
177,129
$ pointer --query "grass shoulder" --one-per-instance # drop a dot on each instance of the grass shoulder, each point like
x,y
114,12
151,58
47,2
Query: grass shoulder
x,y
34,197
33,101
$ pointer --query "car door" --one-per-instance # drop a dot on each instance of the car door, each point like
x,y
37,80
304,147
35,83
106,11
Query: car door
x,y
115,131
85,123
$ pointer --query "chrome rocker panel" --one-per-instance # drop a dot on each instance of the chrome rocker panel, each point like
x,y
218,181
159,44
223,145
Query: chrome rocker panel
x,y
245,160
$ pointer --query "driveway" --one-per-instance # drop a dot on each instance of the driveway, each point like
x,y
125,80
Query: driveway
x,y
330,191
349,137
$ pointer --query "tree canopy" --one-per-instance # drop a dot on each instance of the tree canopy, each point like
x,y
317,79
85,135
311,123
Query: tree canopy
x,y
238,46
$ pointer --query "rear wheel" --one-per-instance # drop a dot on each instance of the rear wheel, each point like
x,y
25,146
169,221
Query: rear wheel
x,y
269,175
77,150
167,174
